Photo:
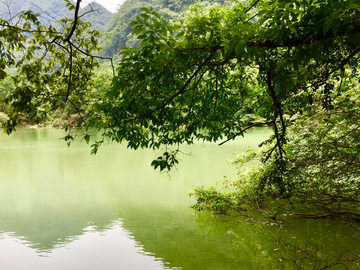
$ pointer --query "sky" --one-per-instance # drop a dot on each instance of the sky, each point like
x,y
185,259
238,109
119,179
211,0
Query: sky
x,y
110,5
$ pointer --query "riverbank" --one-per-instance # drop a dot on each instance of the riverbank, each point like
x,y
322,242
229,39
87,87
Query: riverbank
x,y
56,122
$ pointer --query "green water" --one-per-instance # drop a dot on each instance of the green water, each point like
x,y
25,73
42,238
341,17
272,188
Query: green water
x,y
61,208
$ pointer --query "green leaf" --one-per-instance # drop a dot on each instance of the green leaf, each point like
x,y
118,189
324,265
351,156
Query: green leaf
x,y
145,16
238,50
145,10
156,14
137,30
87,138
133,23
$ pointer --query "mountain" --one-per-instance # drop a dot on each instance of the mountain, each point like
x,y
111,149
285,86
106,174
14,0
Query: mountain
x,y
53,10
49,10
168,9
98,19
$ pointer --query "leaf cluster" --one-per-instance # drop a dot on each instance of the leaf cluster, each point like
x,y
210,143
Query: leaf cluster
x,y
50,68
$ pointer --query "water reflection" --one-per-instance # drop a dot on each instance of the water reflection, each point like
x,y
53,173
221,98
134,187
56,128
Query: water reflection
x,y
111,248
294,244
51,194
61,208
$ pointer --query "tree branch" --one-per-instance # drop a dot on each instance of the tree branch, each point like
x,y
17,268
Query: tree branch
x,y
179,92
75,21
242,131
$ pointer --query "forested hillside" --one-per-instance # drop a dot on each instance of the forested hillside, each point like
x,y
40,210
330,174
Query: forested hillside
x,y
52,10
168,9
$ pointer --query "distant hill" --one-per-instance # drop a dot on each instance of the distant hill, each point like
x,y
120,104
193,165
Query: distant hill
x,y
168,9
52,10
98,19
49,9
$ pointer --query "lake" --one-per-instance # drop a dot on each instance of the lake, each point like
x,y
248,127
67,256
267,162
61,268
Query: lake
x,y
61,208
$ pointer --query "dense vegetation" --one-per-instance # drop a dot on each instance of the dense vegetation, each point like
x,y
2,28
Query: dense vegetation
x,y
170,10
292,65
45,66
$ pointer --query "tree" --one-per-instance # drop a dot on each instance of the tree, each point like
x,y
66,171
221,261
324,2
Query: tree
x,y
318,176
51,65
197,79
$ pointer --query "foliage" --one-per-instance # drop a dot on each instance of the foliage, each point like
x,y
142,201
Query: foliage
x,y
197,79
320,170
53,68
323,153
6,87
119,29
